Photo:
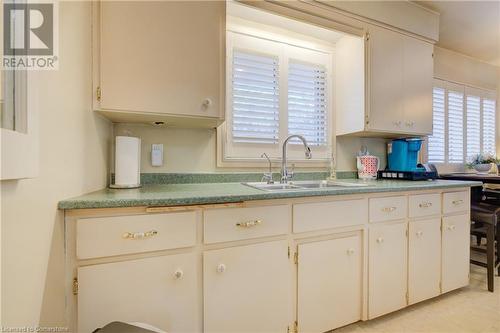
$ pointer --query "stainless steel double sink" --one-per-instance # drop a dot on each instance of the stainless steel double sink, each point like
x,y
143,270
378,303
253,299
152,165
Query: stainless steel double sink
x,y
303,185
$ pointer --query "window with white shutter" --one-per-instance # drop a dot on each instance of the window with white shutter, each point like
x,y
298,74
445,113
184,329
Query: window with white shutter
x,y
436,146
307,102
464,124
489,133
255,98
455,127
473,105
274,90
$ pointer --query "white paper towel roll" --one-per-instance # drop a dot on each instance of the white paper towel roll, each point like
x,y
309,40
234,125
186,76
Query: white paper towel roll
x,y
127,161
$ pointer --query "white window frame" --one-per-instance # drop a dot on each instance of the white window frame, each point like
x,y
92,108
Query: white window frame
x,y
244,155
466,91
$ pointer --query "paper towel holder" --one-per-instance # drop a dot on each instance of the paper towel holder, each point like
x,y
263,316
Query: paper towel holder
x,y
126,161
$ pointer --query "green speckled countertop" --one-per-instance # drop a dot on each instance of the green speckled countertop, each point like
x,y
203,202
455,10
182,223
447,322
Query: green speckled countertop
x,y
212,193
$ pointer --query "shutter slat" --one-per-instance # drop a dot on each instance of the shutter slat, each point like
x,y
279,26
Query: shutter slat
x,y
455,127
489,128
255,98
437,139
307,102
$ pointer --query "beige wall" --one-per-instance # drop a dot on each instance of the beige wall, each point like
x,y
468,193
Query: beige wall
x,y
194,150
73,160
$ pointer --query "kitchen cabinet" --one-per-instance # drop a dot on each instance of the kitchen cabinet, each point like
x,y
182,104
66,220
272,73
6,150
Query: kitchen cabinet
x,y
329,284
424,259
160,291
398,75
401,73
455,252
160,60
247,288
387,266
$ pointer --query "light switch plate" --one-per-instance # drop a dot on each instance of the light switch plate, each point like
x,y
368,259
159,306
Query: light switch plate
x,y
157,154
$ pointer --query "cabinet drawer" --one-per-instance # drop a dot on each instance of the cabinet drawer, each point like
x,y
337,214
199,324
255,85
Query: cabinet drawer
x,y
109,236
424,204
387,209
231,224
456,202
325,215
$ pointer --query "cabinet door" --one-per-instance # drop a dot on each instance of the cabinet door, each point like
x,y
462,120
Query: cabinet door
x,y
161,291
455,252
387,269
247,289
424,266
417,86
329,284
386,80
162,56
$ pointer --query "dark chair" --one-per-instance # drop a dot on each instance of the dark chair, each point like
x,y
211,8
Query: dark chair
x,y
485,217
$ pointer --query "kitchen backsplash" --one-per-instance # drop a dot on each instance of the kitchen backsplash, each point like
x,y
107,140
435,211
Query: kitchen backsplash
x,y
194,150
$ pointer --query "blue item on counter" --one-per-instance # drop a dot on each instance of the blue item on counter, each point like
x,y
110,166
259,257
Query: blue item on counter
x,y
402,154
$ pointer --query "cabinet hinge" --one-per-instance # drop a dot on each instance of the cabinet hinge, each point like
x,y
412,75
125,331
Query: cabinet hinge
x,y
296,257
440,286
289,252
288,329
98,94
75,286
407,298
367,36
295,327
406,232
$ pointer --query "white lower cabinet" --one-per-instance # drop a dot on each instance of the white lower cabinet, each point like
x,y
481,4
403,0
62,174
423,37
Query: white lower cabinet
x,y
424,259
387,268
329,284
247,288
160,291
455,252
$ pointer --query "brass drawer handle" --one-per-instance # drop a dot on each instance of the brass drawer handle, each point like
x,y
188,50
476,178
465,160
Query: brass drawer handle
x,y
425,204
249,224
457,202
139,235
388,209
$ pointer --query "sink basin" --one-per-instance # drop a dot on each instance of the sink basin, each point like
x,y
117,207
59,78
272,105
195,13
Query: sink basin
x,y
303,185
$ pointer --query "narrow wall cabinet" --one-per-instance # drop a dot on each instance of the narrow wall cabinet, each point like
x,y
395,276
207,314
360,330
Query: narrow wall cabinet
x,y
329,284
387,268
247,288
160,60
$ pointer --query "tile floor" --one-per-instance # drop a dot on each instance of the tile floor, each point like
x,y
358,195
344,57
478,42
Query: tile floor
x,y
470,309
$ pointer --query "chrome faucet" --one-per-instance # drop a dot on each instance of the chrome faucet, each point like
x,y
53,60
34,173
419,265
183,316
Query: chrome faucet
x,y
268,176
285,173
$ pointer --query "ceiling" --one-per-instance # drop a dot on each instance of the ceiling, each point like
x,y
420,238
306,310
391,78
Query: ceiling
x,y
469,27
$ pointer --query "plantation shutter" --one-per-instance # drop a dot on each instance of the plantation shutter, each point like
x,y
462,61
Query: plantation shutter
x,y
455,127
489,109
436,147
473,104
307,102
255,98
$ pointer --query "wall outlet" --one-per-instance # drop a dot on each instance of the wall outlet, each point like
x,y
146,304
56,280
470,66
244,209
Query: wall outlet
x,y
157,154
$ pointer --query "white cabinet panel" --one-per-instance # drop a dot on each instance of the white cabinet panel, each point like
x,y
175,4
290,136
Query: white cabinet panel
x,y
388,208
329,284
455,252
163,57
418,73
247,289
454,202
386,80
424,263
387,282
424,204
161,291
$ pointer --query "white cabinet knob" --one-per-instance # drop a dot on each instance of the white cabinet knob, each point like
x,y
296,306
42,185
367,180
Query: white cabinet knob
x,y
380,240
178,274
221,268
451,227
207,102
420,233
350,251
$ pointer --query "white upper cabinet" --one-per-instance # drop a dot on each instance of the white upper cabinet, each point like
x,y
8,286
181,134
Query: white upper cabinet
x,y
398,74
160,60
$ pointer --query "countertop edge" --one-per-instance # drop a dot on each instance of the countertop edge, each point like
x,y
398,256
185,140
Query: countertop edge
x,y
221,199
